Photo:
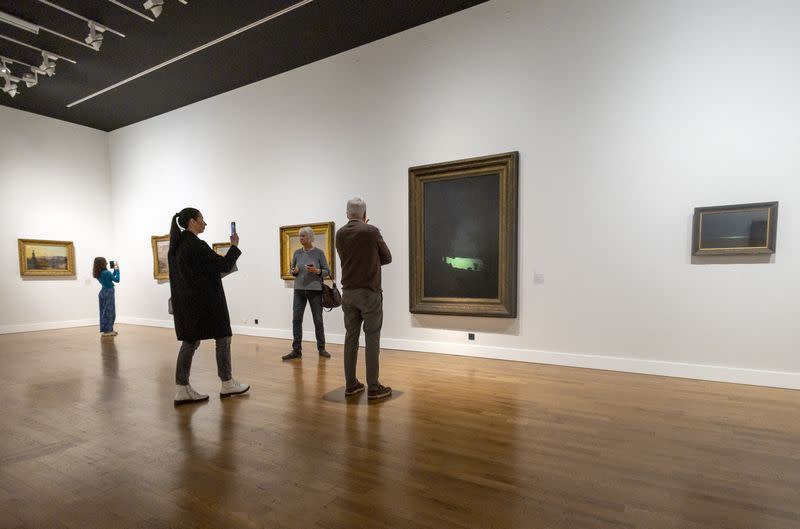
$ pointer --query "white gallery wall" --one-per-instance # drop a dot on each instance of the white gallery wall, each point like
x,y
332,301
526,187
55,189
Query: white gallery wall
x,y
55,185
626,114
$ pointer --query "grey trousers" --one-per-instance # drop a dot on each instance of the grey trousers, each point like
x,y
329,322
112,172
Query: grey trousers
x,y
362,305
186,354
314,298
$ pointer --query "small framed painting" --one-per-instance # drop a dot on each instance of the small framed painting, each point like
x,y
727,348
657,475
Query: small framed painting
x,y
739,229
221,248
46,258
160,245
290,242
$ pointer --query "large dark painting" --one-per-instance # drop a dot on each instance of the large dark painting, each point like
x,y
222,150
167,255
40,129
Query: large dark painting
x,y
735,230
463,237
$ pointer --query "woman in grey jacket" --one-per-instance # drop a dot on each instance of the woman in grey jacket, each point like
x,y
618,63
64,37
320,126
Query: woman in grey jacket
x,y
309,268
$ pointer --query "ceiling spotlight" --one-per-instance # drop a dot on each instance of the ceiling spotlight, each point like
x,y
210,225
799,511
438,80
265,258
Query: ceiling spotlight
x,y
154,6
95,38
48,66
10,87
30,79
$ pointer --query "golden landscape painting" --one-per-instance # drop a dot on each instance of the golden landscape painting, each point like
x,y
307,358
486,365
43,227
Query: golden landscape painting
x,y
160,244
289,237
221,248
46,258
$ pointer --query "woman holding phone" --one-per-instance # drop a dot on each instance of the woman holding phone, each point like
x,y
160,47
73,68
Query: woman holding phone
x,y
309,268
108,309
198,302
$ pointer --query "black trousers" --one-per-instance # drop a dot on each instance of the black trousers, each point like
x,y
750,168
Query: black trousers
x,y
314,299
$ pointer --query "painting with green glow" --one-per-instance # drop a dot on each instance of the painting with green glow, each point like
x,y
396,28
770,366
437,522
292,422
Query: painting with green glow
x,y
461,250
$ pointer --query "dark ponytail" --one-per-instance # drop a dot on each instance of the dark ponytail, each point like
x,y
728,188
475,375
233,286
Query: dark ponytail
x,y
180,220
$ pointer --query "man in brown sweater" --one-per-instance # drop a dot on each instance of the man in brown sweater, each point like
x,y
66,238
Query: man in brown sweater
x,y
362,252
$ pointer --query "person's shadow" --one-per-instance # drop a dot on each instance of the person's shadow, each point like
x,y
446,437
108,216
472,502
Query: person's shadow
x,y
206,476
110,385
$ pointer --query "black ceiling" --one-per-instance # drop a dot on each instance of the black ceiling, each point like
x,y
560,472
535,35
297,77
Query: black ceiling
x,y
309,33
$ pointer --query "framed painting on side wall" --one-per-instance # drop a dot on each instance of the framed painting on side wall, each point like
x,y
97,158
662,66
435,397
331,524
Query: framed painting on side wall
x,y
221,248
46,258
160,244
290,242
463,237
739,229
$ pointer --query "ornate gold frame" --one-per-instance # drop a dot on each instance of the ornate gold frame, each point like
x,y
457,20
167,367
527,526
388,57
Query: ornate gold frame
x,y
23,264
286,232
154,240
505,305
219,245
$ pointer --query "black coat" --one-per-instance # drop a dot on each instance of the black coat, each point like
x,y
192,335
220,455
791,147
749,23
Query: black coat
x,y
198,299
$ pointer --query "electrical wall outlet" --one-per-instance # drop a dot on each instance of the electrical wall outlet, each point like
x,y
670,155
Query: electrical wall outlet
x,y
256,320
471,336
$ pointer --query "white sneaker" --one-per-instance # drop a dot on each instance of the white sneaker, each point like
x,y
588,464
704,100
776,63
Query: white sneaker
x,y
187,394
232,387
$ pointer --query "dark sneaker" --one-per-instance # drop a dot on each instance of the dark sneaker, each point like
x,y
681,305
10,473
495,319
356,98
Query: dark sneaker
x,y
379,393
292,355
324,354
355,390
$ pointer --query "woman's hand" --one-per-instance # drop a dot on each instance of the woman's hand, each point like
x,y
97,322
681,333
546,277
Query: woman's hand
x,y
313,269
235,239
296,270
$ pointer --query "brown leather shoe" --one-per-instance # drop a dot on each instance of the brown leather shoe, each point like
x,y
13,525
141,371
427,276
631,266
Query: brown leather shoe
x,y
292,355
355,390
380,392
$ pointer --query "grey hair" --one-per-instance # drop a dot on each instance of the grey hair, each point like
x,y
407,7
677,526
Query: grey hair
x,y
356,207
308,231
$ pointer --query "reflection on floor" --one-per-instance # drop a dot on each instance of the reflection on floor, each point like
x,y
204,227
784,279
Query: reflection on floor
x,y
89,438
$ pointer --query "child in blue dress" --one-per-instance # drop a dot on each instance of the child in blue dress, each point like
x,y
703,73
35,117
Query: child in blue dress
x,y
108,310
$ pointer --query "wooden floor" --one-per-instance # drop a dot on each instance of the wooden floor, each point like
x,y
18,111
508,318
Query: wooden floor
x,y
89,438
